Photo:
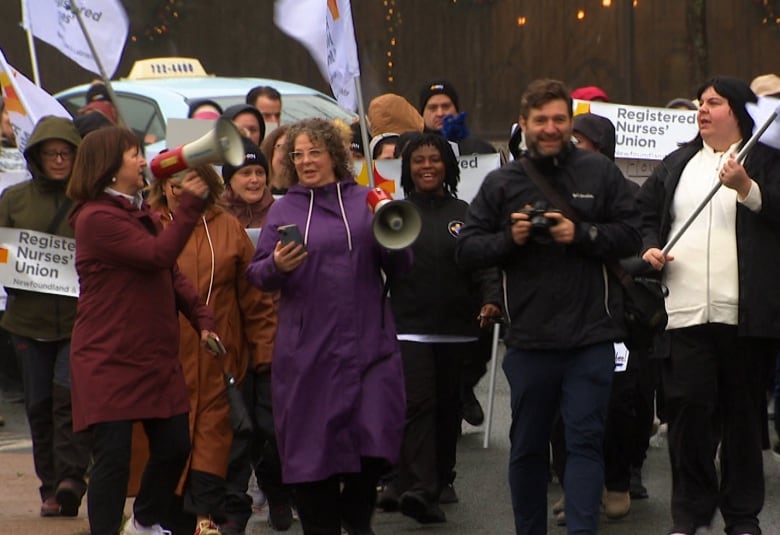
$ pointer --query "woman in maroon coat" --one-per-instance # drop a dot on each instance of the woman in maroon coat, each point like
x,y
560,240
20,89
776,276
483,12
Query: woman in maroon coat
x,y
124,359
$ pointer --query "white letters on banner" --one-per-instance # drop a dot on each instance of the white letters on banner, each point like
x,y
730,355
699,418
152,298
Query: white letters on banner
x,y
38,262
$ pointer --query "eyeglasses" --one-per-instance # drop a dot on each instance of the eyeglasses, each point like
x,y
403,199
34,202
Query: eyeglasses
x,y
313,154
52,155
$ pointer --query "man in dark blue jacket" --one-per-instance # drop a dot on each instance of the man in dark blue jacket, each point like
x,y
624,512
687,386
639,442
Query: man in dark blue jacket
x,y
563,306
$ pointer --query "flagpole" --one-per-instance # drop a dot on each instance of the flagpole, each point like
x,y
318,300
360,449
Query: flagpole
x,y
364,132
74,8
740,156
30,44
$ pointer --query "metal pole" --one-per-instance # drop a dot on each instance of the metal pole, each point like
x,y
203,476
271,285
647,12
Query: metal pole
x,y
77,12
31,44
740,156
364,132
492,386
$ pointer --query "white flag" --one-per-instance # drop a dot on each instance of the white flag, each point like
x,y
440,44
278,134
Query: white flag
x,y
106,22
760,113
325,28
26,102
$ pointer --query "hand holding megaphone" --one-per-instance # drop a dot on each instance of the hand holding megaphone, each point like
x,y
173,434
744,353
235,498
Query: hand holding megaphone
x,y
397,224
222,144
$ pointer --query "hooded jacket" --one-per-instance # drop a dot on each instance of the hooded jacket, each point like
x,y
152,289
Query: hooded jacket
x,y
33,205
338,391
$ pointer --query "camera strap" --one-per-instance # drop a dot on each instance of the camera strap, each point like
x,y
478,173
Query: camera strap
x,y
557,200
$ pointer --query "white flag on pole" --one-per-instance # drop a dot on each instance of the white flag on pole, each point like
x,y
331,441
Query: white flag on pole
x,y
26,102
760,112
54,22
326,29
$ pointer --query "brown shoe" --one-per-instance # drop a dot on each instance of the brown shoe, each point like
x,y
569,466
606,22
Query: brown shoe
x,y
616,504
50,507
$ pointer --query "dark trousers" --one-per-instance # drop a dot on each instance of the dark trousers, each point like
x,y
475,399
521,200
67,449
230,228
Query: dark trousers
x,y
475,361
627,431
58,452
169,447
714,384
578,381
345,499
432,373
258,452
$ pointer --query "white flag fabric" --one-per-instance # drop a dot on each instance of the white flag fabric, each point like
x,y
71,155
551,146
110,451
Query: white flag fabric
x,y
26,102
760,113
326,29
54,22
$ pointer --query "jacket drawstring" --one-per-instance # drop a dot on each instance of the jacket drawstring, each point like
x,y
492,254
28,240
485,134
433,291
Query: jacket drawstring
x,y
308,217
344,216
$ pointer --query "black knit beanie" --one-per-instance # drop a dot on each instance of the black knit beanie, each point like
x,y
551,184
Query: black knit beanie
x,y
738,93
252,156
438,87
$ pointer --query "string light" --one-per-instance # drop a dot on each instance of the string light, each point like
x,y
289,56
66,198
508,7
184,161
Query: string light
x,y
521,21
580,14
770,14
606,3
164,17
393,19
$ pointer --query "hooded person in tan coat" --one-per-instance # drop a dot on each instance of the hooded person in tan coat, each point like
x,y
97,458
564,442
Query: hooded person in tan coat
x,y
215,259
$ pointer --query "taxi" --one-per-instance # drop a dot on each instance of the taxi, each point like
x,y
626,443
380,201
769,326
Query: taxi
x,y
160,89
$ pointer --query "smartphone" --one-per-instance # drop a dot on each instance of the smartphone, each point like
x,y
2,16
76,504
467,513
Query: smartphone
x,y
290,234
216,345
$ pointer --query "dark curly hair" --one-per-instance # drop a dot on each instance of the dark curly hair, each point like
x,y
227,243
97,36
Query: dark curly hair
x,y
437,141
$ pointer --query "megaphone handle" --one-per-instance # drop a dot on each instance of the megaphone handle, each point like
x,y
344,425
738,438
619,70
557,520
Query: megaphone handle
x,y
740,157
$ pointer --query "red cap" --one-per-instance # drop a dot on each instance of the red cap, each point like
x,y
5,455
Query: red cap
x,y
589,92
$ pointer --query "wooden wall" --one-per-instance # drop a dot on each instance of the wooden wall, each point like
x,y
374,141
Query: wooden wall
x,y
641,54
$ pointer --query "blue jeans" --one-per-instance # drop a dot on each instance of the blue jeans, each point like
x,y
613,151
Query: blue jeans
x,y
578,381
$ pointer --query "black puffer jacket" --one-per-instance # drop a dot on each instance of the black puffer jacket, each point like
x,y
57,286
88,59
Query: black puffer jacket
x,y
558,296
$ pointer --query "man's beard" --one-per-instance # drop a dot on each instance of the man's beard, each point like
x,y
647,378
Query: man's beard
x,y
533,147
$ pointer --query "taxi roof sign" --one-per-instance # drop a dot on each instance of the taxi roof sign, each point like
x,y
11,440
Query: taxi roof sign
x,y
172,67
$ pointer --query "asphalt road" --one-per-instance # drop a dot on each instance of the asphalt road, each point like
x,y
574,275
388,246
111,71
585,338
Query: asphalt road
x,y
484,506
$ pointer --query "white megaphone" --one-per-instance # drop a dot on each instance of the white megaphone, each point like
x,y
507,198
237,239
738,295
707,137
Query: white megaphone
x,y
222,144
397,224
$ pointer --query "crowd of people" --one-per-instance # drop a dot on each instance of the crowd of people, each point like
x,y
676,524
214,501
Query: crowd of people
x,y
250,321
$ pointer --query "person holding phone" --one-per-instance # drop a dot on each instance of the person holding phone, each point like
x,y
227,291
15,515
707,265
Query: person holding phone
x,y
124,349
214,258
338,392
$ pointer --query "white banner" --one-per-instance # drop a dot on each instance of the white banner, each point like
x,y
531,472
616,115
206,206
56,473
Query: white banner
x,y
26,102
38,262
643,132
54,22
326,29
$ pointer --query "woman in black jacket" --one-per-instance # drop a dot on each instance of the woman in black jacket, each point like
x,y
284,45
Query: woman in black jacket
x,y
437,310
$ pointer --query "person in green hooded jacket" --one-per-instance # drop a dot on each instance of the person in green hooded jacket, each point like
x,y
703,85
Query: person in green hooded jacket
x,y
40,323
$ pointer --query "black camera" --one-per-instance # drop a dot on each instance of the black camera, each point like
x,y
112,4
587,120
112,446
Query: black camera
x,y
540,224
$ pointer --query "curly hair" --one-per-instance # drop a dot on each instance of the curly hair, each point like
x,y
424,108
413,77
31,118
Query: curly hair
x,y
438,142
321,132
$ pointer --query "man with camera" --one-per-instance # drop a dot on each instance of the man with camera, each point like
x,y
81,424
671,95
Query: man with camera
x,y
563,306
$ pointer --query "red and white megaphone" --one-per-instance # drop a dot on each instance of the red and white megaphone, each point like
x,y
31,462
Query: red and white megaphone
x,y
397,224
222,144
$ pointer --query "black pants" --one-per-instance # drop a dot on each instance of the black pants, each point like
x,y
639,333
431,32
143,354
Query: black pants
x,y
58,452
714,384
628,430
169,447
258,452
475,361
345,499
432,373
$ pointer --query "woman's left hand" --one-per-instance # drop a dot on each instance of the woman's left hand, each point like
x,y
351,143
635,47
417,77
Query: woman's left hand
x,y
733,176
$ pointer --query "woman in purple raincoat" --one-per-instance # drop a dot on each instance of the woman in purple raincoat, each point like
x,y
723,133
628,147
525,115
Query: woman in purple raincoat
x,y
337,378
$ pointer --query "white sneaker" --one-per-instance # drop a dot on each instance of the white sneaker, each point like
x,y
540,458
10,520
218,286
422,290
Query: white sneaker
x,y
131,527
